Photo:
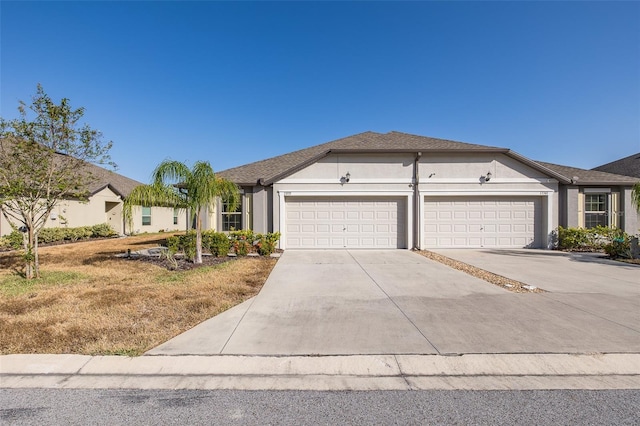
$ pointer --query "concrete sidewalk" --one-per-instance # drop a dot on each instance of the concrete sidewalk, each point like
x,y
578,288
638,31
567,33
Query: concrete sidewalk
x,y
370,372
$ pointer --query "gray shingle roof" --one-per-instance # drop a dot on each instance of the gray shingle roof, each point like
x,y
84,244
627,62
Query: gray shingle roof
x,y
272,169
103,178
269,170
628,166
590,177
118,183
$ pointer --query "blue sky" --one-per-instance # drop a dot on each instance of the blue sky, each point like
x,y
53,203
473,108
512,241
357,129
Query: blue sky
x,y
233,83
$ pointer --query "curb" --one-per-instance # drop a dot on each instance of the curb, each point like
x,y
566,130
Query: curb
x,y
357,372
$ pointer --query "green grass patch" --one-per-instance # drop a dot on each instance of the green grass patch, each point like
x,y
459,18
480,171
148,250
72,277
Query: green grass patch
x,y
15,285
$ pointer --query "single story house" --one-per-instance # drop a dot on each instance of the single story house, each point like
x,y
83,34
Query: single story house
x,y
105,206
628,166
398,190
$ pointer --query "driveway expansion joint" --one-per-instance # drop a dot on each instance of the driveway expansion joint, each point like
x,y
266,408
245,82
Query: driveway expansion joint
x,y
394,302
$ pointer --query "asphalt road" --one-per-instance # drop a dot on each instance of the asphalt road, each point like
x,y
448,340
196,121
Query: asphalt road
x,y
120,407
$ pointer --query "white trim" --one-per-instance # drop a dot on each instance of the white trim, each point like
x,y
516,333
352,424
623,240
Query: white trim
x,y
365,193
449,192
351,181
409,227
493,180
421,197
281,214
546,239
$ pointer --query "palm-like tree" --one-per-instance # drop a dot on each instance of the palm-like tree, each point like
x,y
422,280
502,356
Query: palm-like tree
x,y
636,196
194,190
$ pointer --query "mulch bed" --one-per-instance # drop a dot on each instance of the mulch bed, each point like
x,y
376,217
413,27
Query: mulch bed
x,y
180,264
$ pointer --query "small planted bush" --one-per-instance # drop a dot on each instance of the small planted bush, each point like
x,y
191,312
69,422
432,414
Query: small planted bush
x,y
242,241
619,247
11,241
188,245
220,244
615,242
57,235
217,243
102,230
266,243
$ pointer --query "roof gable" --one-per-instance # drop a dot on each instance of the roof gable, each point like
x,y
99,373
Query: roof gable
x,y
265,172
272,169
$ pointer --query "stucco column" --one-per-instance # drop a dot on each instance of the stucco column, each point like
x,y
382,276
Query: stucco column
x,y
629,220
571,208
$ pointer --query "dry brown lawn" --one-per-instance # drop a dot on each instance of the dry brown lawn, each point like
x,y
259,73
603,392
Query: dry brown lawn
x,y
90,302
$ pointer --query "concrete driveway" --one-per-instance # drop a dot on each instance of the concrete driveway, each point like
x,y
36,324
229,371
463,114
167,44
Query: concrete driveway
x,y
398,302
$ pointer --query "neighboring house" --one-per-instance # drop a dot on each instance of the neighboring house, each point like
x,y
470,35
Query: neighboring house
x,y
596,198
398,190
105,206
628,166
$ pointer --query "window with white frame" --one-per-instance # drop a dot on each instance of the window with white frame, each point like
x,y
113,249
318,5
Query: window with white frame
x,y
231,219
596,210
146,216
175,216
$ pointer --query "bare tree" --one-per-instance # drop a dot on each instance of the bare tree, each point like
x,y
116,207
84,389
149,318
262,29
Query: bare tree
x,y
43,161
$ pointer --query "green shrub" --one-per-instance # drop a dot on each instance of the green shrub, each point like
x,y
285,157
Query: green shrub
x,y
266,243
76,234
188,245
242,241
12,241
619,247
56,235
173,244
102,230
53,235
592,239
217,243
572,238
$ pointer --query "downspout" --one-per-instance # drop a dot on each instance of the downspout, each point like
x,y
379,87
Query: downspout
x,y
416,201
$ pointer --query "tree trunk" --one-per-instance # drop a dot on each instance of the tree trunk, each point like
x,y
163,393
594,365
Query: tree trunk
x,y
36,262
198,239
28,254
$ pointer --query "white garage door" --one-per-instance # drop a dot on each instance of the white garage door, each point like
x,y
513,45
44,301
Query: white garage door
x,y
345,222
502,222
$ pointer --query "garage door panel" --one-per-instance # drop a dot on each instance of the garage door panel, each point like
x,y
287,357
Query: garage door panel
x,y
293,228
353,228
346,222
322,228
482,222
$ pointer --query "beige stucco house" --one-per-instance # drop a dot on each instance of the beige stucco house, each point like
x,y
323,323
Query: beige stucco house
x,y
397,190
105,206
